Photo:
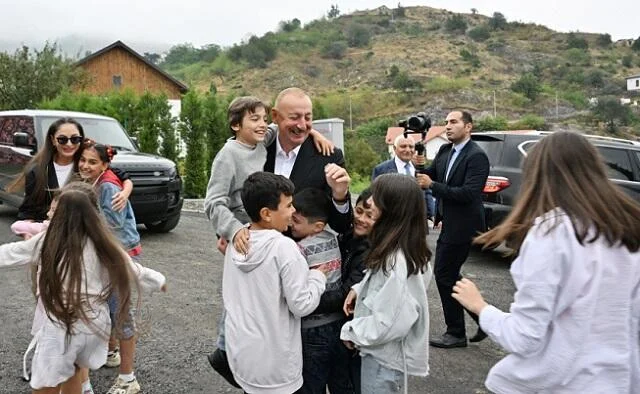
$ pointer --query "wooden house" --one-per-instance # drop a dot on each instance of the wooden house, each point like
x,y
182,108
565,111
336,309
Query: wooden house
x,y
117,66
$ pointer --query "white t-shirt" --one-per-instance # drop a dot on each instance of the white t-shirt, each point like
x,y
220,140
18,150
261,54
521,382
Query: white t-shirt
x,y
63,172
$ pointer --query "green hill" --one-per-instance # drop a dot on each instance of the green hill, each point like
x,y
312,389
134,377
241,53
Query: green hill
x,y
391,62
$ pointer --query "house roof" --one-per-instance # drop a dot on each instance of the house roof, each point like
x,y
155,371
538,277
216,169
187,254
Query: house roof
x,y
634,76
433,133
119,44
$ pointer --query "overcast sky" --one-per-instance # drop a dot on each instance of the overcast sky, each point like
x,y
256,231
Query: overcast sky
x,y
226,22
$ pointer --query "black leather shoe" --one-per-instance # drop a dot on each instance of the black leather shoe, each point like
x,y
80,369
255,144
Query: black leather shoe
x,y
220,364
448,341
480,335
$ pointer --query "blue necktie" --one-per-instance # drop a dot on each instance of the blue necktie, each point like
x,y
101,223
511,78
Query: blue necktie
x,y
407,169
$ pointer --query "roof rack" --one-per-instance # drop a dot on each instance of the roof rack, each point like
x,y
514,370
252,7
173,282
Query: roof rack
x,y
611,139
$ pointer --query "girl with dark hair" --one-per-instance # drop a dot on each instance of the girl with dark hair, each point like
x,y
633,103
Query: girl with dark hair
x,y
391,320
94,168
80,264
575,321
53,166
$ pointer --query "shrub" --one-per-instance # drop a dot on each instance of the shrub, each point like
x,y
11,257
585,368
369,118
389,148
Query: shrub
x,y
358,35
480,33
573,41
627,61
528,85
490,123
636,45
530,122
610,111
456,24
594,79
375,127
443,84
360,158
334,50
578,57
497,21
470,57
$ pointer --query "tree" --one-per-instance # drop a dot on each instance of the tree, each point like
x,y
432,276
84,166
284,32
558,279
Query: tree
x,y
604,40
334,12
497,21
627,61
610,111
181,54
358,35
456,24
574,41
474,11
636,45
29,77
528,85
490,123
193,133
152,57
289,26
360,158
215,124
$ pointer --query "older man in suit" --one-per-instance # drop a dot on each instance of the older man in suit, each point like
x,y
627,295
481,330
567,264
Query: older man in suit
x,y
404,151
294,156
457,177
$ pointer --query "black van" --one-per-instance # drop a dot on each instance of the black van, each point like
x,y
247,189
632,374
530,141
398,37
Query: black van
x,y
507,149
157,192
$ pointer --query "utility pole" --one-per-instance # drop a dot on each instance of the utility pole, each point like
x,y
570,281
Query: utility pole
x,y
557,115
495,113
350,115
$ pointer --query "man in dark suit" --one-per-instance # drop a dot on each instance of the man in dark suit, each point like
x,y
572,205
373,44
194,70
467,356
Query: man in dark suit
x,y
457,177
404,150
294,156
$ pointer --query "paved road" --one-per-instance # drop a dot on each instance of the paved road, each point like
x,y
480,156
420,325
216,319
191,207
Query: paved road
x,y
179,326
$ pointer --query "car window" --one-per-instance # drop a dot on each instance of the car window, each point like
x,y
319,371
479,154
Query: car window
x,y
617,163
493,149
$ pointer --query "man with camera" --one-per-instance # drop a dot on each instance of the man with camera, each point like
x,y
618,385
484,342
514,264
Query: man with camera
x,y
404,149
457,177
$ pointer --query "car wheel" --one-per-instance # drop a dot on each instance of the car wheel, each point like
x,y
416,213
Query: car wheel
x,y
163,226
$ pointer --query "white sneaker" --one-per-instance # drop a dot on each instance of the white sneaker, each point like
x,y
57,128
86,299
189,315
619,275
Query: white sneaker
x,y
113,359
122,387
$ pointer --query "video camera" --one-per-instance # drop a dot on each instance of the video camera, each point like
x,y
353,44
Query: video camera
x,y
414,124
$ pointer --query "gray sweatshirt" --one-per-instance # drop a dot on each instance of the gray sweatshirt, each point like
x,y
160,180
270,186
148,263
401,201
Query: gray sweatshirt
x,y
230,168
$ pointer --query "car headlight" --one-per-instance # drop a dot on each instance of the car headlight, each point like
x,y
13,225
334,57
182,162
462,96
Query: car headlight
x,y
172,172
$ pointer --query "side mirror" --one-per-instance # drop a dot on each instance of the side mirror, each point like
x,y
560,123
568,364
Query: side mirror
x,y
21,140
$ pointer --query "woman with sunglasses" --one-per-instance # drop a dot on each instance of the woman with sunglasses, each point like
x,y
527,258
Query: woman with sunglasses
x,y
54,165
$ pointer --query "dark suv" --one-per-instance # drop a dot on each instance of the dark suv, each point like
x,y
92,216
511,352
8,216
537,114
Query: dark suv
x,y
156,197
507,149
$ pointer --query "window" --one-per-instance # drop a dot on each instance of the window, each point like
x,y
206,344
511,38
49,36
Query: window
x,y
117,81
617,163
637,83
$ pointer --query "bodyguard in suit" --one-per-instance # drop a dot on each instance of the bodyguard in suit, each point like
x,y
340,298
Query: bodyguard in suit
x,y
457,176
404,150
294,156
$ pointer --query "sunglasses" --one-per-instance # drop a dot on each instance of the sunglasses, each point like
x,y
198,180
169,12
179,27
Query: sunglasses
x,y
75,140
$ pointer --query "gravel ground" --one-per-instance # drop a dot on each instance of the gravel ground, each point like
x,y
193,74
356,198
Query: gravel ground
x,y
179,327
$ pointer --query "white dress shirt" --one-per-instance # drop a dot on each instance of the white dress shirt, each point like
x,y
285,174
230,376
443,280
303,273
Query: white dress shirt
x,y
574,325
284,162
401,166
458,148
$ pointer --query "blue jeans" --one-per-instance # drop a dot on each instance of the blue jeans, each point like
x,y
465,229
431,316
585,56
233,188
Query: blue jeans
x,y
377,379
325,360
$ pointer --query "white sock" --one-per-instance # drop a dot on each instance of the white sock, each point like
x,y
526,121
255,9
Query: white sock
x,y
127,377
86,385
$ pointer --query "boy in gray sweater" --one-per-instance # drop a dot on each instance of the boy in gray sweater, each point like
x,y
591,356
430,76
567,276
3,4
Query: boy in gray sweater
x,y
242,155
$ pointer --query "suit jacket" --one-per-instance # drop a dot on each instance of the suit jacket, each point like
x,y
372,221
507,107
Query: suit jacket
x,y
386,167
308,171
389,167
461,194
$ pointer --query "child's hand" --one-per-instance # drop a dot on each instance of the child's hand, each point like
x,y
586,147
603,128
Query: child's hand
x,y
467,294
350,303
323,145
349,345
222,245
241,241
338,180
324,268
119,201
